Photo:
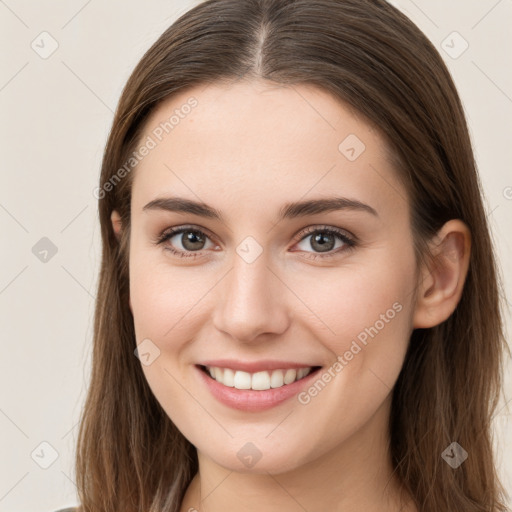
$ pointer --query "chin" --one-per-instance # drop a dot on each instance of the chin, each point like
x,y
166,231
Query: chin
x,y
248,458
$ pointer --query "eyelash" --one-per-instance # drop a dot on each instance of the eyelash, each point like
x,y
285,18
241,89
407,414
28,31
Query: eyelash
x,y
349,243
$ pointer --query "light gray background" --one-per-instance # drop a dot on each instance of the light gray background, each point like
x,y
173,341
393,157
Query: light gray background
x,y
56,113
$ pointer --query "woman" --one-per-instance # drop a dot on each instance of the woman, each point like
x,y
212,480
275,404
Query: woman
x,y
298,305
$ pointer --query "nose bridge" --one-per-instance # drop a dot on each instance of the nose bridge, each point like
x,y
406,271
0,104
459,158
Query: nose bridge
x,y
250,301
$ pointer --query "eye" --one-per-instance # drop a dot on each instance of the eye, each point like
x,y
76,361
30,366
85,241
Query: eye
x,y
323,239
192,241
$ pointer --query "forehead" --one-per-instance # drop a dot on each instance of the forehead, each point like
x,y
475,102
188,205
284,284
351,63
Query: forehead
x,y
257,141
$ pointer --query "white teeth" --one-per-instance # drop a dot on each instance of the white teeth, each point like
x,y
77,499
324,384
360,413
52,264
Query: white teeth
x,y
260,381
301,373
290,376
217,373
276,380
242,380
229,378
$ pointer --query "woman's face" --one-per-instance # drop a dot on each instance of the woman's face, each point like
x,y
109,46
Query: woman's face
x,y
267,281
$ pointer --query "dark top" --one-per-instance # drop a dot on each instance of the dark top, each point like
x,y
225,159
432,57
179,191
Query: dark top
x,y
71,509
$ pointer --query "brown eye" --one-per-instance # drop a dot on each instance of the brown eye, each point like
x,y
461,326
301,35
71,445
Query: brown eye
x,y
192,240
184,241
324,240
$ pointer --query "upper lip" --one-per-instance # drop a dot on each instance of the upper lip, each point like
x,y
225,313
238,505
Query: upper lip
x,y
255,366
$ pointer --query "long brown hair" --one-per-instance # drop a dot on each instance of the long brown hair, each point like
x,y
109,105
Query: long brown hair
x,y
130,456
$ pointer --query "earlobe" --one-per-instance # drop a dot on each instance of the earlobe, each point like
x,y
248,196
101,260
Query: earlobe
x,y
441,285
116,223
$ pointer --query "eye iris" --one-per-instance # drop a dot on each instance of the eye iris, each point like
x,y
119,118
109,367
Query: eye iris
x,y
190,238
320,238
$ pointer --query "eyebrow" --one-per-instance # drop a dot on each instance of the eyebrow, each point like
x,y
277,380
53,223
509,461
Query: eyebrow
x,y
288,211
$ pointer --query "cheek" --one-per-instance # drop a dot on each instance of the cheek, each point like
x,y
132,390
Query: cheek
x,y
163,309
163,297
353,299
366,316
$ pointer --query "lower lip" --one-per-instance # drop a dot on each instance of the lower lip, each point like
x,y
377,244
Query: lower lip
x,y
250,399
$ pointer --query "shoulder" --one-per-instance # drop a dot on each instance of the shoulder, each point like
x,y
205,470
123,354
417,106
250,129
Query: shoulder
x,y
70,509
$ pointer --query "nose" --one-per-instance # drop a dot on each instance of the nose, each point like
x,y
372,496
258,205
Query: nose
x,y
252,301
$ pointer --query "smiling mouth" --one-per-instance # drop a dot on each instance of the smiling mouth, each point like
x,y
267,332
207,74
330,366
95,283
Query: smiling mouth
x,y
258,381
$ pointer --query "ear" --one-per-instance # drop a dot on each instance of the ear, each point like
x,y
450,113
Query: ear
x,y
116,223
117,226
442,282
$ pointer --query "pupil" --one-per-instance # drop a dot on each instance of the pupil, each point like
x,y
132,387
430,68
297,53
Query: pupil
x,y
324,245
192,238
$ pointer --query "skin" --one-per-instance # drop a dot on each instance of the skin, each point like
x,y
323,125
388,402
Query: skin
x,y
247,149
